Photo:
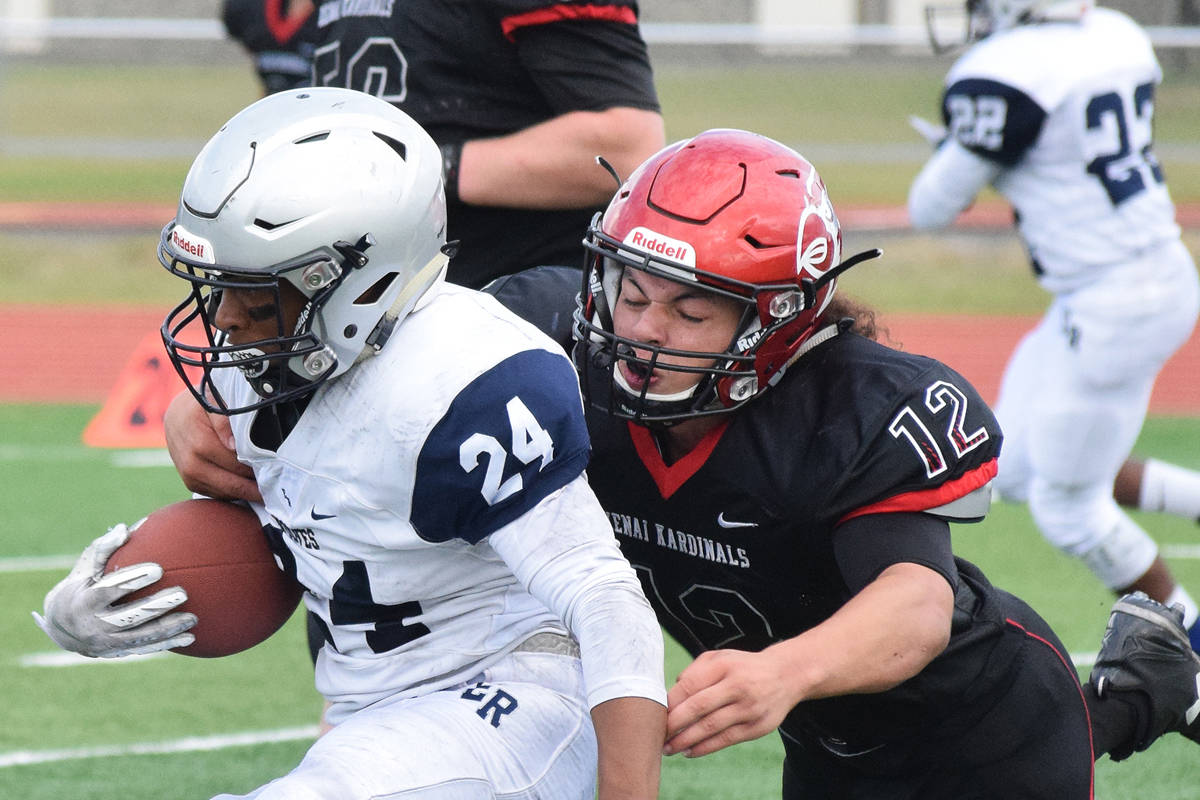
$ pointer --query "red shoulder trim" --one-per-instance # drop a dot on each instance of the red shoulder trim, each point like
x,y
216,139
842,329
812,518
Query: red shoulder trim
x,y
925,499
559,13
670,478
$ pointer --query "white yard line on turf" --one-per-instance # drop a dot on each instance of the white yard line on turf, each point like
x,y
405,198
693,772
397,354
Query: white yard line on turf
x,y
36,563
63,658
186,745
152,457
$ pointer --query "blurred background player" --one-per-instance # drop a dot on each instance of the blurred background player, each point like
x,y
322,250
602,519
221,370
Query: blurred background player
x,y
521,96
1052,105
278,35
469,588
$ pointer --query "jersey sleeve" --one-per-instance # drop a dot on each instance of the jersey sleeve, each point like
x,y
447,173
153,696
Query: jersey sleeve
x,y
508,440
565,554
582,56
867,545
992,119
544,296
933,452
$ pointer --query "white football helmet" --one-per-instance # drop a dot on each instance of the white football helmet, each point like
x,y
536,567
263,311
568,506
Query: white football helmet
x,y
985,17
333,191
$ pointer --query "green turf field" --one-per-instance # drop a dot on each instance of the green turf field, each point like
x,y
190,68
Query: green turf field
x,y
162,727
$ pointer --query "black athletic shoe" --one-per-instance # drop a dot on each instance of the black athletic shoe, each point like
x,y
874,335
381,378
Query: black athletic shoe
x,y
1146,649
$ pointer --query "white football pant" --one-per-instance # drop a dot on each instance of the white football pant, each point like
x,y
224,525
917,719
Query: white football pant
x,y
1073,400
523,731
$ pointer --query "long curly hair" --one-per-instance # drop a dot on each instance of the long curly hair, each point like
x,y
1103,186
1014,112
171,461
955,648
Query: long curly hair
x,y
864,319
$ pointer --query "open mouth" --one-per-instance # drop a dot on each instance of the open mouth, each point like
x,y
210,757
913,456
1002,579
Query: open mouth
x,y
637,374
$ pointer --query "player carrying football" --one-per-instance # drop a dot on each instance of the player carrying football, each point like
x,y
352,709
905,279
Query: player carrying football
x,y
430,447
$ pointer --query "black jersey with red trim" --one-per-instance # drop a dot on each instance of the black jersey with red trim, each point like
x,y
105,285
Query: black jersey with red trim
x,y
467,69
734,543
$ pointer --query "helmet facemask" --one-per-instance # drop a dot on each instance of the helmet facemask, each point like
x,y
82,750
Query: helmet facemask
x,y
754,358
982,18
601,351
290,364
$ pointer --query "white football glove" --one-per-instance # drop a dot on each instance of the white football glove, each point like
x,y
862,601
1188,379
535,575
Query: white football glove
x,y
81,615
933,134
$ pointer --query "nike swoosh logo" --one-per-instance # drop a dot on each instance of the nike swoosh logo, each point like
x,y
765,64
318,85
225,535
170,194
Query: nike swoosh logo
x,y
728,523
320,517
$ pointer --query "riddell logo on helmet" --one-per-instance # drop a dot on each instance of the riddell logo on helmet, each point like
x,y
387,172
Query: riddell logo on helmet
x,y
197,247
665,246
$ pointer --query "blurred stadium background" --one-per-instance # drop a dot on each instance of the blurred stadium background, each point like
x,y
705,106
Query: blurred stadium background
x,y
108,101
103,104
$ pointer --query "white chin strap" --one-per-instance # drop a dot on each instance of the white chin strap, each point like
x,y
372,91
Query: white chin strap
x,y
619,377
409,299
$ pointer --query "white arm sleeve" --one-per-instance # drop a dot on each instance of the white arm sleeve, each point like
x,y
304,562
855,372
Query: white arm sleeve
x,y
564,552
947,185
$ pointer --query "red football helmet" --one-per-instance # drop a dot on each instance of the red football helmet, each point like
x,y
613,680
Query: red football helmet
x,y
739,214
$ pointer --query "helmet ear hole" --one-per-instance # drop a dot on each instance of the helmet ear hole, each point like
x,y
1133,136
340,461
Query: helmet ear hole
x,y
376,290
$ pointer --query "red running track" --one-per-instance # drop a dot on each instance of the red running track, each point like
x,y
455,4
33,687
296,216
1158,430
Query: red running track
x,y
56,354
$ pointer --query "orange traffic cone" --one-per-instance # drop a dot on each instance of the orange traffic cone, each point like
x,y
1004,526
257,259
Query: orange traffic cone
x,y
132,414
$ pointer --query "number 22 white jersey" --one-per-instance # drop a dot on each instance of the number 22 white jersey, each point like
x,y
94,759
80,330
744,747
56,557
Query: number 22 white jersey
x,y
1066,110
382,496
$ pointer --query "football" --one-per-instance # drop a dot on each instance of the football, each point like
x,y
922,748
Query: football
x,y
217,552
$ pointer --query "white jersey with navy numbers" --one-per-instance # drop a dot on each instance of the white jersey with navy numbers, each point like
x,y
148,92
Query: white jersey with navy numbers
x,y
391,499
1066,110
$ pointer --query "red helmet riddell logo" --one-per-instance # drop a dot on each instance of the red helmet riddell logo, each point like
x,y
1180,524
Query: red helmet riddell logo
x,y
195,246
665,246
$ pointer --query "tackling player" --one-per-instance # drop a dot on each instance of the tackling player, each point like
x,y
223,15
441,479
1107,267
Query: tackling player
x,y
430,446
784,485
1053,106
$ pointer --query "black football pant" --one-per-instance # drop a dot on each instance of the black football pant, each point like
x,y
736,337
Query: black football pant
x,y
1035,743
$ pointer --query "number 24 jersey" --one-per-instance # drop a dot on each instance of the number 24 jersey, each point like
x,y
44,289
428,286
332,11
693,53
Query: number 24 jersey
x,y
381,498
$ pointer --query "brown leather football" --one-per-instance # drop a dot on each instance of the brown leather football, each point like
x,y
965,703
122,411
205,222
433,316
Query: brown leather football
x,y
218,553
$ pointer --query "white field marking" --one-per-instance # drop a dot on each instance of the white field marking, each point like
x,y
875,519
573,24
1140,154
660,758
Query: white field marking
x,y
36,563
1181,550
187,745
46,452
62,658
155,457
141,458
1081,660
